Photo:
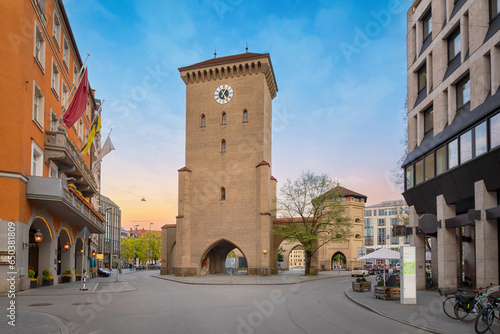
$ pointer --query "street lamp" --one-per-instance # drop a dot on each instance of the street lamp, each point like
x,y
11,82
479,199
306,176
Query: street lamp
x,y
136,226
149,254
38,236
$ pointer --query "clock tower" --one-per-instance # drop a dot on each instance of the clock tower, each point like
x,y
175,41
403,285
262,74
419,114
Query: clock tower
x,y
226,190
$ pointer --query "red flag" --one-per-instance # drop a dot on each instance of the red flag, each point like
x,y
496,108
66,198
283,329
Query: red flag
x,y
77,106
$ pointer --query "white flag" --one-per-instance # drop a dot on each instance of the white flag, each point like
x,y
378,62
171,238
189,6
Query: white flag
x,y
106,148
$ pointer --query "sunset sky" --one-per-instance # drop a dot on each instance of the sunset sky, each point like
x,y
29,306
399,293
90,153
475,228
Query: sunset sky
x,y
340,68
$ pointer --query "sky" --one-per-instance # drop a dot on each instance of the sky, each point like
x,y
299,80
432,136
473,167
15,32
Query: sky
x,y
340,68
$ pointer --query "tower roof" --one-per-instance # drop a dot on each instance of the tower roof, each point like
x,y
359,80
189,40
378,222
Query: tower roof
x,y
347,192
227,59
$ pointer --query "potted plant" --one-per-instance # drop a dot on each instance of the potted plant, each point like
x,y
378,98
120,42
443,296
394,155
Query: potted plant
x,y
361,285
66,277
78,277
33,280
48,279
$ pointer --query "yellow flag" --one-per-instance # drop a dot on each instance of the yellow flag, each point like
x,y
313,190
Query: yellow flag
x,y
95,128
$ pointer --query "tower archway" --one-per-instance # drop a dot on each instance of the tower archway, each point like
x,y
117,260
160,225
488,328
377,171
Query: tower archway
x,y
339,260
217,259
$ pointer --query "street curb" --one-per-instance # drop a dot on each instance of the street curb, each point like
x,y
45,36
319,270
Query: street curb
x,y
253,284
75,293
62,327
388,316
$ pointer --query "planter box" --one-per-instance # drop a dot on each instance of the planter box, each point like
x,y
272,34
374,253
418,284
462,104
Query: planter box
x,y
361,286
66,279
47,283
387,293
33,284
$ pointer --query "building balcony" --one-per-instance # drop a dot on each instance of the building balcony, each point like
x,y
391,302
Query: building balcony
x,y
69,161
64,201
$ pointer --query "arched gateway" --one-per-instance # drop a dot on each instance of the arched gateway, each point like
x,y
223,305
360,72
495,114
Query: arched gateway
x,y
226,190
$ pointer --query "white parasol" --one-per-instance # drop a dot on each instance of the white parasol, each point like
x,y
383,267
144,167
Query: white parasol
x,y
381,254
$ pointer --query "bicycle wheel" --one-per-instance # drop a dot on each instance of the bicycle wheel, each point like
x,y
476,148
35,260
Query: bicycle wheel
x,y
466,314
494,324
449,307
483,322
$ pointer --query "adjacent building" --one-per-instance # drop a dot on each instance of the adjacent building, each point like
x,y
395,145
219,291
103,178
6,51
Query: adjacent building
x,y
110,241
49,196
452,177
380,220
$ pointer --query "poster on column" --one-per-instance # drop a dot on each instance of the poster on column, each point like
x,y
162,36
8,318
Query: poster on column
x,y
408,277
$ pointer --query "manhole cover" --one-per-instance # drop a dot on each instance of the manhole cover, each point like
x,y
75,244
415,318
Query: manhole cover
x,y
41,304
82,303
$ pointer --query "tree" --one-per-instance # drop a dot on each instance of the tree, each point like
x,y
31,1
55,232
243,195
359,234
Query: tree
x,y
313,213
397,174
142,247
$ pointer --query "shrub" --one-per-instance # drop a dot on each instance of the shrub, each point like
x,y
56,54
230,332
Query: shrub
x,y
363,279
358,280
67,271
380,283
46,272
31,273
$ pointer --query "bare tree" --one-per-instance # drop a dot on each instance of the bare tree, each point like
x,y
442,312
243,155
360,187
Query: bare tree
x,y
311,213
397,174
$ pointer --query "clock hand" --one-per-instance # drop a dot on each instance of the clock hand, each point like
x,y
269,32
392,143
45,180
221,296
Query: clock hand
x,y
224,93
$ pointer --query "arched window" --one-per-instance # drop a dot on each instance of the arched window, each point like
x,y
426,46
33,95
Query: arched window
x,y
202,120
224,121
223,146
222,194
245,116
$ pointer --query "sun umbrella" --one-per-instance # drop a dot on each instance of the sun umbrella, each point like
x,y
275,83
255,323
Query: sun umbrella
x,y
381,254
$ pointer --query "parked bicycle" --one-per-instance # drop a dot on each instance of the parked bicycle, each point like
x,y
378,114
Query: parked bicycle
x,y
450,300
468,308
490,315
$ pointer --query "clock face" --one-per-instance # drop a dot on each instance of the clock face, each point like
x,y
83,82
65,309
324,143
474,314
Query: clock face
x,y
223,94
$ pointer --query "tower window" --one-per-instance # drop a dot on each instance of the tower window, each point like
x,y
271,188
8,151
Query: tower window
x,y
202,124
224,120
222,194
223,146
245,116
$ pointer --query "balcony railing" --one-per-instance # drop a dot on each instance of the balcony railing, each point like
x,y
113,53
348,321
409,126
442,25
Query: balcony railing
x,y
69,160
54,195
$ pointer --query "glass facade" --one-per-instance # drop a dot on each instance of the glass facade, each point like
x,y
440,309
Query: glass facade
x,y
480,139
381,236
381,222
495,131
466,146
441,165
429,166
453,153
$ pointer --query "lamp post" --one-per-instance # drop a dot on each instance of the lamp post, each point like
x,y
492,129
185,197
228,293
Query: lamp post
x,y
133,260
149,254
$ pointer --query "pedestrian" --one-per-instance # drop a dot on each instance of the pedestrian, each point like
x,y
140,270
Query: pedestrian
x,y
130,266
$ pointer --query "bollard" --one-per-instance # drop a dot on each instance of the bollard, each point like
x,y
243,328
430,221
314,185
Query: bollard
x,y
84,281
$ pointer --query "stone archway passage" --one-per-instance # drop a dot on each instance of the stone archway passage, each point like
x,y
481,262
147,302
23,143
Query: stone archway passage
x,y
338,260
214,260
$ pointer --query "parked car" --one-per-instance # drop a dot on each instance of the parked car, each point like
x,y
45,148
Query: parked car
x,y
359,271
102,272
370,269
381,267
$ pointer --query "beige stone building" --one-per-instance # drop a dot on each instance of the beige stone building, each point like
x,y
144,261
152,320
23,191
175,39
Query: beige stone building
x,y
452,178
226,190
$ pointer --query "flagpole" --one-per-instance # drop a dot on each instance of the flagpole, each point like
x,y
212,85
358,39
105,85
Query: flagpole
x,y
96,117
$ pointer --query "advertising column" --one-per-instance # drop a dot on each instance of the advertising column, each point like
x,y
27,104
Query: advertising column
x,y
408,275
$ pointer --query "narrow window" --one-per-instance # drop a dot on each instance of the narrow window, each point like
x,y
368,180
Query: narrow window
x,y
463,92
66,53
441,160
224,121
202,120
480,139
57,29
39,48
64,96
453,154
419,172
36,160
495,131
75,75
422,78
466,147
55,79
454,45
53,121
427,24
223,146
428,119
222,194
494,8
429,166
38,105
80,129
245,114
